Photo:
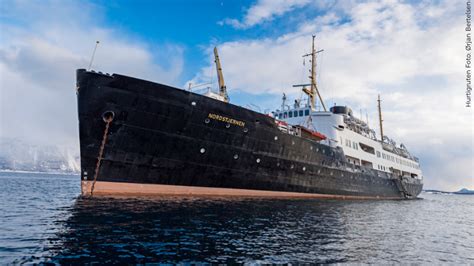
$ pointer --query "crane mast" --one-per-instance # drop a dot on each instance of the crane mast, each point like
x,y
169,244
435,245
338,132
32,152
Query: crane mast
x,y
220,77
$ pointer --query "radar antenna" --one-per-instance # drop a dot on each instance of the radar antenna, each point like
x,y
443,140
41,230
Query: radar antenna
x,y
220,77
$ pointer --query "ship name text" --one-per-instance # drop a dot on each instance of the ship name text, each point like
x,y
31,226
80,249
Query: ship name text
x,y
226,119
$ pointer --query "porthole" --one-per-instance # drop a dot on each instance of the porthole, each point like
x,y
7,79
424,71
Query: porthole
x,y
292,166
207,120
317,149
292,143
319,171
193,103
330,173
202,150
236,156
278,164
304,168
258,160
311,147
246,130
227,125
275,138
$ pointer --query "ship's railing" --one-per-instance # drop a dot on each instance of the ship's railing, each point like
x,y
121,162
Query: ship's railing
x,y
401,152
359,127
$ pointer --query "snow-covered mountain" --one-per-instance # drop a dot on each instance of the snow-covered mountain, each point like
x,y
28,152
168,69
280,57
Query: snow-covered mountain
x,y
18,155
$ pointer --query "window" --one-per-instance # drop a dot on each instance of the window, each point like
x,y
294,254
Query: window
x,y
306,112
354,145
290,114
295,113
383,155
366,148
280,115
378,154
285,115
301,112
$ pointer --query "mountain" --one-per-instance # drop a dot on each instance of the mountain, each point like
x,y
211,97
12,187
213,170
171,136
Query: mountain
x,y
17,155
464,191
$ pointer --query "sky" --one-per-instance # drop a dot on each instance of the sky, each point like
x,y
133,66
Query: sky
x,y
410,52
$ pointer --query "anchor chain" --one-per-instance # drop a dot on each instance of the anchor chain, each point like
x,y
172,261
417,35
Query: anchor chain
x,y
107,117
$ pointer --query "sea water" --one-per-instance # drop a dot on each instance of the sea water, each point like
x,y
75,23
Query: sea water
x,y
44,219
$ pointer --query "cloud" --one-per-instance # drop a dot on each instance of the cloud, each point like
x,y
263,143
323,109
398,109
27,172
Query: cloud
x,y
41,46
410,53
264,10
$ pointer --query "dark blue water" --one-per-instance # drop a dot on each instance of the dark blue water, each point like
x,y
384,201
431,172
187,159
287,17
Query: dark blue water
x,y
43,219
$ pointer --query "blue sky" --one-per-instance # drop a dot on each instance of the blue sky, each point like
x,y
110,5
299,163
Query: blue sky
x,y
193,25
410,52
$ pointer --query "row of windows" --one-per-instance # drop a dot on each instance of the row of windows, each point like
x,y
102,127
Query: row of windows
x,y
387,157
293,114
355,145
397,160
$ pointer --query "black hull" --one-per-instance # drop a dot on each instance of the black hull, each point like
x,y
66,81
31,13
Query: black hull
x,y
164,135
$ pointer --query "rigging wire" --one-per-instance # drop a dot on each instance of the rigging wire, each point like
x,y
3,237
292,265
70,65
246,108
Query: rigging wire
x,y
320,74
212,70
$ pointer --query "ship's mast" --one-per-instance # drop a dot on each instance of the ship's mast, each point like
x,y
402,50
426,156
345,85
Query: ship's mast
x,y
220,77
380,119
314,88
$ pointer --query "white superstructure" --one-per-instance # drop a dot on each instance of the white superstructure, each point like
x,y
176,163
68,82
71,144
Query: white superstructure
x,y
356,139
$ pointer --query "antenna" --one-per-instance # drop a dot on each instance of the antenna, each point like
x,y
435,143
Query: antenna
x,y
380,119
283,104
93,54
367,117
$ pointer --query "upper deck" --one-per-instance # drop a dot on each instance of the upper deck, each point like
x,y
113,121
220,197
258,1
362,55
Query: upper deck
x,y
358,141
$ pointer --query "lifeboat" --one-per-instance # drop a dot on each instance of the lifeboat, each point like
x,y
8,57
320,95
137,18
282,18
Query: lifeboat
x,y
311,134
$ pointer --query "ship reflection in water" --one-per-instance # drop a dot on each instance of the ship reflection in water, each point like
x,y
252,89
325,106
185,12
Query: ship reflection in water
x,y
238,230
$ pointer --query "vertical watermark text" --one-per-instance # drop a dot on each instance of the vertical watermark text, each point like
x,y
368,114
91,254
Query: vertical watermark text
x,y
468,54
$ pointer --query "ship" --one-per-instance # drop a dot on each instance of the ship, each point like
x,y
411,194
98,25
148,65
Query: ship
x,y
139,137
